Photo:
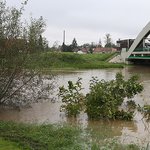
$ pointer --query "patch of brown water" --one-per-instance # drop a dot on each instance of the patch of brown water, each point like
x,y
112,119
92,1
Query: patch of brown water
x,y
136,131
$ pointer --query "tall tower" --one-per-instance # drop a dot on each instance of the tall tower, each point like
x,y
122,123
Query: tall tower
x,y
100,43
64,37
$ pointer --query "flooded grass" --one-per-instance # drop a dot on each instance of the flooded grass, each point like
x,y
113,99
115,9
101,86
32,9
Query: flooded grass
x,y
58,136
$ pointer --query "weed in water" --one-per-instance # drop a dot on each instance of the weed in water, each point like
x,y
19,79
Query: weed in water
x,y
55,137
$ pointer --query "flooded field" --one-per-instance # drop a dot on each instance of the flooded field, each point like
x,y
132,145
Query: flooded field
x,y
136,131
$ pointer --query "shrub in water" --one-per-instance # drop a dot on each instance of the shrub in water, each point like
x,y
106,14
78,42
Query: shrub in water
x,y
72,97
104,97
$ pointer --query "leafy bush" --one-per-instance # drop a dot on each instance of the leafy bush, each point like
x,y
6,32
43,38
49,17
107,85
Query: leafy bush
x,y
104,97
72,98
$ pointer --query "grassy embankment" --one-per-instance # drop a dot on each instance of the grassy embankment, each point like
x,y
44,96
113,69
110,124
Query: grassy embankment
x,y
54,137
73,60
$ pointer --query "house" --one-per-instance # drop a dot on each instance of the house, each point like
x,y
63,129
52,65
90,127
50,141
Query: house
x,y
104,50
75,50
85,50
99,50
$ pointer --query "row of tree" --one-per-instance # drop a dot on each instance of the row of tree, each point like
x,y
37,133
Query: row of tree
x,y
74,45
21,44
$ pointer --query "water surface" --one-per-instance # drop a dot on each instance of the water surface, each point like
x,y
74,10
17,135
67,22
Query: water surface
x,y
136,131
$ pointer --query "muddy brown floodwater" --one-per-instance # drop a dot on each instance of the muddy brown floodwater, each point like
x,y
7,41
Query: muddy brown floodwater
x,y
136,131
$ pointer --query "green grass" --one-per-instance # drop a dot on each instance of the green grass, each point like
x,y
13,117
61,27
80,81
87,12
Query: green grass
x,y
8,145
41,136
53,137
73,60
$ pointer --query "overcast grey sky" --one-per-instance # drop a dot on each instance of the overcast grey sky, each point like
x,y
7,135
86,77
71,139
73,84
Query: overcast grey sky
x,y
88,20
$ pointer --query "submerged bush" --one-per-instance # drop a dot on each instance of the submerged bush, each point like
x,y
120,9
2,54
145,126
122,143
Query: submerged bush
x,y
72,98
103,99
105,96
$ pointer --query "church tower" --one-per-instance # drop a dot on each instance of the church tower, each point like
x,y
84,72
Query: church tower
x,y
100,43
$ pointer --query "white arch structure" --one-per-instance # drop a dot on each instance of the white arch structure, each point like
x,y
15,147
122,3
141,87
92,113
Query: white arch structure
x,y
141,37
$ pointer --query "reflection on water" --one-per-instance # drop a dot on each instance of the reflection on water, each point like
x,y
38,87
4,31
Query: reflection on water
x,y
127,131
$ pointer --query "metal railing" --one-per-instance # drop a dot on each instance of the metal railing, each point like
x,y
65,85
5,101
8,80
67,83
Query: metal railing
x,y
140,49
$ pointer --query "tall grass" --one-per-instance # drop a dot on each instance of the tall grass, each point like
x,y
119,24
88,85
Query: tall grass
x,y
8,145
55,137
41,136
73,60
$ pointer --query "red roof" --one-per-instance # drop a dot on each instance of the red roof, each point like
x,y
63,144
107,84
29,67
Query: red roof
x,y
104,49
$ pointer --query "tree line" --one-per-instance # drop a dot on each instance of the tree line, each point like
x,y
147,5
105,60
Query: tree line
x,y
74,45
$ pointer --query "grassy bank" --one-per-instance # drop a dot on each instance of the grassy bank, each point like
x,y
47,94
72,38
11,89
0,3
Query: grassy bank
x,y
53,136
73,60
8,145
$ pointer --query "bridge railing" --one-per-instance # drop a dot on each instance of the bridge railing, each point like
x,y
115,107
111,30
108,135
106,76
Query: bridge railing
x,y
140,49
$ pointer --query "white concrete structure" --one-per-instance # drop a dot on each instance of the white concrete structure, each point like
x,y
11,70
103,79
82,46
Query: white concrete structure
x,y
140,38
117,59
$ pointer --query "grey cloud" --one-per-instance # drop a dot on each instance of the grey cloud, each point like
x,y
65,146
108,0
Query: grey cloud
x,y
88,20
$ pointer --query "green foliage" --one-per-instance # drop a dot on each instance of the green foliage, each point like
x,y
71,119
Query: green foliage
x,y
72,98
73,60
104,97
21,44
145,109
74,44
55,137
90,50
132,103
110,45
66,48
8,145
107,38
33,136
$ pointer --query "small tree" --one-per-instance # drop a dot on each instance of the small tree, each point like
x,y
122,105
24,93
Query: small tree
x,y
42,43
107,38
66,48
55,47
74,44
104,97
111,45
72,98
90,50
20,83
